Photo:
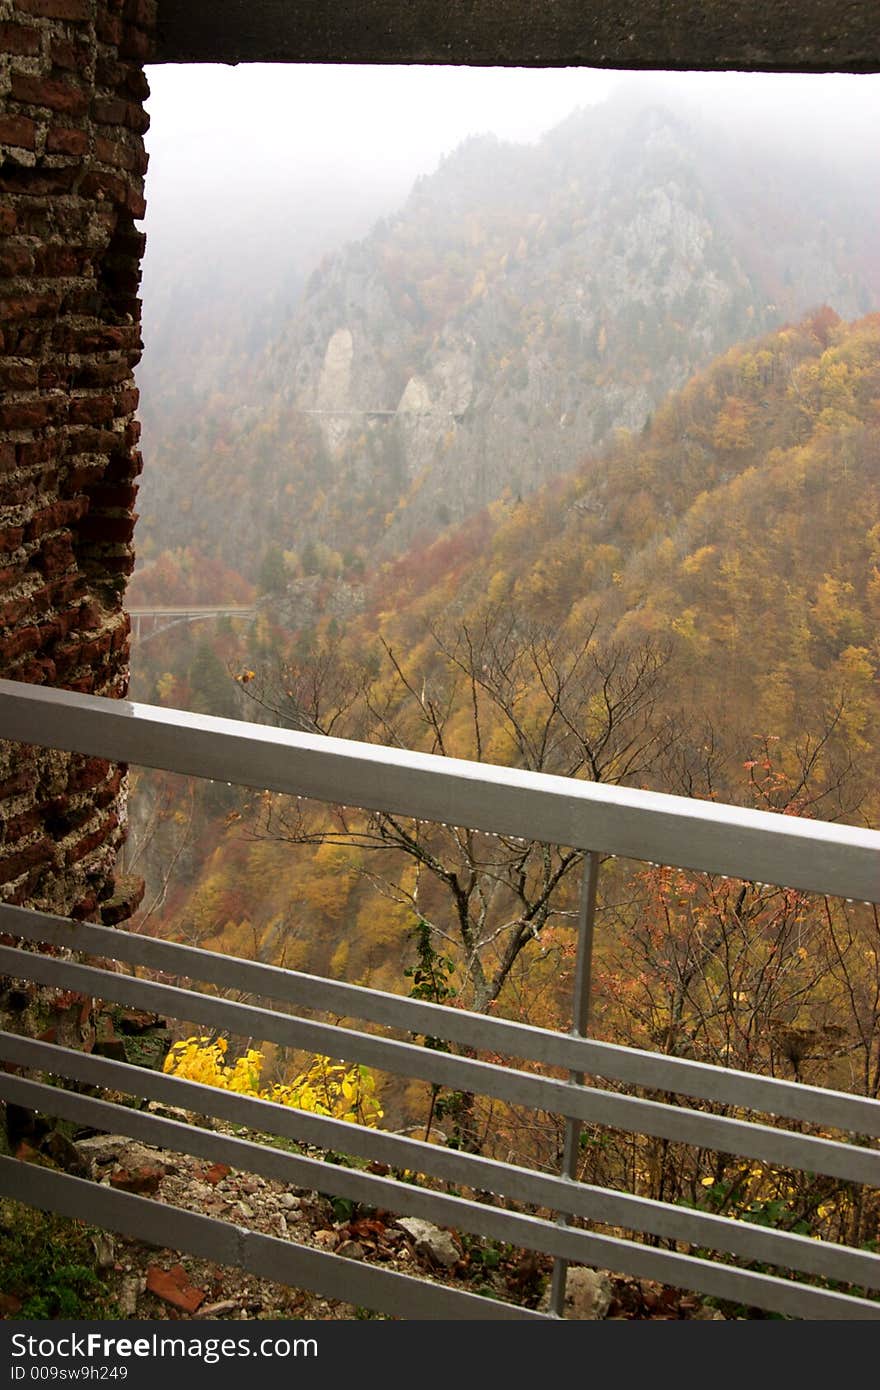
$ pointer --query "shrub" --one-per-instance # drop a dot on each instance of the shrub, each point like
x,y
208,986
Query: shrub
x,y
325,1087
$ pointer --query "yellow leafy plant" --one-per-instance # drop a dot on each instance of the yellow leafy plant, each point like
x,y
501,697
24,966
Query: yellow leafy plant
x,y
343,1092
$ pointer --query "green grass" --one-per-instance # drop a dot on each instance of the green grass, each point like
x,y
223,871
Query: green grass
x,y
48,1262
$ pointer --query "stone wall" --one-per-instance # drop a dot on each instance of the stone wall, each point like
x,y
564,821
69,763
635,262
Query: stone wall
x,y
72,166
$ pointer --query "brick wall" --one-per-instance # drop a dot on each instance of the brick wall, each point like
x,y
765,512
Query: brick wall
x,y
72,165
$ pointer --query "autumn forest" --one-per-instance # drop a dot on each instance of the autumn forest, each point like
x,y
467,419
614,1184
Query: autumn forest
x,y
571,464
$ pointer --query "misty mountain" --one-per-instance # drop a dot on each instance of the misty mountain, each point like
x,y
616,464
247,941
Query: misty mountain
x,y
524,304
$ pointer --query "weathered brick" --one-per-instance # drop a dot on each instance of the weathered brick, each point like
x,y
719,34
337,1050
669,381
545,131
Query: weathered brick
x,y
16,258
21,640
40,670
86,773
29,453
37,182
58,259
31,415
55,555
74,371
91,410
64,512
12,610
120,156
130,244
19,40
122,468
115,562
28,306
120,496
64,53
100,184
109,111
53,93
136,118
106,529
136,44
13,865
122,279
18,130
107,335
101,374
91,652
136,204
67,593
108,27
22,340
52,377
136,83
66,140
91,441
70,619
121,635
127,898
18,827
11,537
17,376
95,840
23,490
72,10
10,574
141,12
85,907
20,781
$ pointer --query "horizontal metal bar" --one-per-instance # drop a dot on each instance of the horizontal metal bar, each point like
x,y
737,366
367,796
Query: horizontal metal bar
x,y
334,1276
465,1170
756,845
768,1246
791,1099
855,1164
298,1266
294,1169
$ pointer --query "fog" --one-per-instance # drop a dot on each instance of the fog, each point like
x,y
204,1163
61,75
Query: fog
x,y
296,159
267,123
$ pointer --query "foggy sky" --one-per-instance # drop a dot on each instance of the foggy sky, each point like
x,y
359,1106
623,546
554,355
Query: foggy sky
x,y
209,120
259,155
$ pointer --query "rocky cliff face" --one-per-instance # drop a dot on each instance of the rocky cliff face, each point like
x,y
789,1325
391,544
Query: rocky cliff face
x,y
526,303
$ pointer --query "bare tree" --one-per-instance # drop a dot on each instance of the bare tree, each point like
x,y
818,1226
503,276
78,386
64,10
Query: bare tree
x,y
497,690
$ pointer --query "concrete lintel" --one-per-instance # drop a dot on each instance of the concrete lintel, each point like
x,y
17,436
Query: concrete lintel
x,y
755,35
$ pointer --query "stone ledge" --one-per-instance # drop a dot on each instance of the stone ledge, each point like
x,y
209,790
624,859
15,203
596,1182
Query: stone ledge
x,y
753,35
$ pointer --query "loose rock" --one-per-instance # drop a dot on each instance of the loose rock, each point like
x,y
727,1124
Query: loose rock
x,y
429,1240
587,1294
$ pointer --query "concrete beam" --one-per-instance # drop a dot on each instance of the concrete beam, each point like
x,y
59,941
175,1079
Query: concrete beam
x,y
756,35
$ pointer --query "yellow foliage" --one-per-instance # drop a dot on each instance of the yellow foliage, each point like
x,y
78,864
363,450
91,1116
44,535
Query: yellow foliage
x,y
324,1088
697,560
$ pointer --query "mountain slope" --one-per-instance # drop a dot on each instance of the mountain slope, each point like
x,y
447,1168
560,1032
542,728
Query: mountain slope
x,y
733,548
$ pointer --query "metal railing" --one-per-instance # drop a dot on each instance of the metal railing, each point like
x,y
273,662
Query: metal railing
x,y
831,859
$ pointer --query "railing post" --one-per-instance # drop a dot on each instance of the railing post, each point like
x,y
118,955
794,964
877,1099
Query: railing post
x,y
579,1022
